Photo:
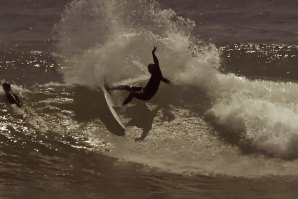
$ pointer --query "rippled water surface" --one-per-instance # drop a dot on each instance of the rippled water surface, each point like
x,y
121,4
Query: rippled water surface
x,y
225,128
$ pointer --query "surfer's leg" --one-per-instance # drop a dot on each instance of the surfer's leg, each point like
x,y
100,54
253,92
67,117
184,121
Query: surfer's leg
x,y
135,88
139,95
127,88
128,99
121,87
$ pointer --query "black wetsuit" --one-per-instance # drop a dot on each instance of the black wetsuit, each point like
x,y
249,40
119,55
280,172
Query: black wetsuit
x,y
147,92
13,98
152,86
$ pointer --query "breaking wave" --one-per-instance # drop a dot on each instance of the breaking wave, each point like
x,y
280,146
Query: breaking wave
x,y
112,40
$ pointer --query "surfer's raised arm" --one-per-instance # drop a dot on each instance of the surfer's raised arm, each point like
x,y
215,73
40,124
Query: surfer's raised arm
x,y
154,56
156,62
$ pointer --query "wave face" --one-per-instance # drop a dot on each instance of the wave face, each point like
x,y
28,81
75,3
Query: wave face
x,y
205,111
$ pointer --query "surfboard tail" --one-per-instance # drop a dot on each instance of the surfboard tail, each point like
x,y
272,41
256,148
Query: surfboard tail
x,y
111,105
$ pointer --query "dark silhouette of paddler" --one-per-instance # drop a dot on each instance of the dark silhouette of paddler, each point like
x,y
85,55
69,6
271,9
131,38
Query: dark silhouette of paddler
x,y
10,96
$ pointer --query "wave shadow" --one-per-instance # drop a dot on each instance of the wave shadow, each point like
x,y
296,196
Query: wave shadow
x,y
89,105
142,117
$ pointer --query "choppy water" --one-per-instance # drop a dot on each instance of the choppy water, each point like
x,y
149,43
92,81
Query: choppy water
x,y
226,128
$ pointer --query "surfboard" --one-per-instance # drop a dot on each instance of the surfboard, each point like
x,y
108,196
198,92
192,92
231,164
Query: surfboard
x,y
111,106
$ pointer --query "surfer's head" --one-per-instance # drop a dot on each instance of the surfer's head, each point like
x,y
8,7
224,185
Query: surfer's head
x,y
6,87
151,68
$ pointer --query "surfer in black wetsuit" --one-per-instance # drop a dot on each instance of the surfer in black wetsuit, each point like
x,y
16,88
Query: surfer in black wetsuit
x,y
147,92
11,97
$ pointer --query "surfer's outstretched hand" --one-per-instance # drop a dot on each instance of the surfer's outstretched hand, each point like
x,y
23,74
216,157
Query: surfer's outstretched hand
x,y
165,80
154,49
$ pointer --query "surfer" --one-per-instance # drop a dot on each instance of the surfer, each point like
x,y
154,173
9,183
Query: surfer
x,y
147,92
11,97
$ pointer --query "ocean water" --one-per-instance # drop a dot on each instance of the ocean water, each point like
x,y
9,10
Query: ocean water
x,y
225,128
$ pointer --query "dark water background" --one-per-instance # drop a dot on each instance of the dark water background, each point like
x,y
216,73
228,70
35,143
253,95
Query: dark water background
x,y
65,147
220,22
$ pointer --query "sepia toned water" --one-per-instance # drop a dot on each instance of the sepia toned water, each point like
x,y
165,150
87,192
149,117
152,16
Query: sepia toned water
x,y
225,128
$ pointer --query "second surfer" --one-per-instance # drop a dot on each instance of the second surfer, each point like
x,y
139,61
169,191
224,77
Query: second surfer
x,y
10,96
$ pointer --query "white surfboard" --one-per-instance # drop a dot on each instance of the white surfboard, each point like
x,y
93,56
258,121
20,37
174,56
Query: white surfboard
x,y
110,104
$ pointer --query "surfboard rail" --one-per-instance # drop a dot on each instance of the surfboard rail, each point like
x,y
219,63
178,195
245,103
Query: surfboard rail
x,y
110,104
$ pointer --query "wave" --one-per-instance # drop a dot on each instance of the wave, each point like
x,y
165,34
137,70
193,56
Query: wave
x,y
112,40
178,128
261,113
